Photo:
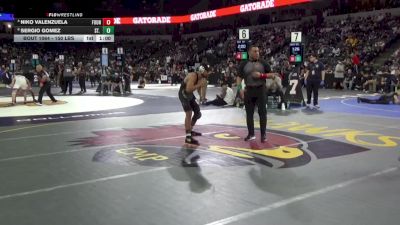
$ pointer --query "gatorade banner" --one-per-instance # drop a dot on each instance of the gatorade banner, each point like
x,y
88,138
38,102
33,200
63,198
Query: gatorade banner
x,y
233,10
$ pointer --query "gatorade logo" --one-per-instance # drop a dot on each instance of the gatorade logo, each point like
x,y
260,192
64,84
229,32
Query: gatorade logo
x,y
257,6
203,15
221,145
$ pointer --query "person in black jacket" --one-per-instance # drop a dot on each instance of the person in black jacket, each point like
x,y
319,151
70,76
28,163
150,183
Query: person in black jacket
x,y
314,78
81,73
68,78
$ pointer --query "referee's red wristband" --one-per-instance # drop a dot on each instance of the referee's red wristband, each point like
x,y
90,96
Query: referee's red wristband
x,y
263,76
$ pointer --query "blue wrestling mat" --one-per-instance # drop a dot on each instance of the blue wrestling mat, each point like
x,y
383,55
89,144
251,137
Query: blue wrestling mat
x,y
350,105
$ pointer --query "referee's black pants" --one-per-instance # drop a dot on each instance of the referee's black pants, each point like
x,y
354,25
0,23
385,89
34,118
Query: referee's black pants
x,y
82,83
46,88
68,84
256,96
312,89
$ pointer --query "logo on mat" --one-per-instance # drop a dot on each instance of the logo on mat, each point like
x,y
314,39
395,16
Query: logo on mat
x,y
220,145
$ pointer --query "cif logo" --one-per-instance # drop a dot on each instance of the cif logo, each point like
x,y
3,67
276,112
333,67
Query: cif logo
x,y
222,145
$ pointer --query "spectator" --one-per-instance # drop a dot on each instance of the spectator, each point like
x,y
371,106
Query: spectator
x,y
356,62
275,89
6,75
339,76
226,97
368,79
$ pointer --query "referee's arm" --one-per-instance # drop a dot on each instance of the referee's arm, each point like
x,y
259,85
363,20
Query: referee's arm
x,y
268,74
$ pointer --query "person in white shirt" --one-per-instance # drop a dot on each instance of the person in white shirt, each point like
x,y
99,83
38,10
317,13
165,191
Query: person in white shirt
x,y
226,97
339,76
20,84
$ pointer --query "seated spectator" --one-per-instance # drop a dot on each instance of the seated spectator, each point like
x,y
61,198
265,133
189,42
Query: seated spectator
x,y
368,79
274,88
369,83
226,97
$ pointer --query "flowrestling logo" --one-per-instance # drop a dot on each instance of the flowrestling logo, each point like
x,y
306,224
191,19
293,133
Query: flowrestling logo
x,y
221,145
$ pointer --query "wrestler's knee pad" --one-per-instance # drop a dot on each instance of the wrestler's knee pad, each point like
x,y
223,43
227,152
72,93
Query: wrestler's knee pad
x,y
196,116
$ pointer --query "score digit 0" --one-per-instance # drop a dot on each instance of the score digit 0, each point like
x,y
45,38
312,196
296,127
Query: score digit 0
x,y
108,30
108,22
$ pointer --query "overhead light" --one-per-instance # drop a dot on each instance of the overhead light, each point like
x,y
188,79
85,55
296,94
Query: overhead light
x,y
9,26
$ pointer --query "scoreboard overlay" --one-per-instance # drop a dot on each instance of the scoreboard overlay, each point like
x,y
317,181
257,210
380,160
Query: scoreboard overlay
x,y
64,30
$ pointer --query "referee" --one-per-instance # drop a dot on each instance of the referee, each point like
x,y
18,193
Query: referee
x,y
45,85
314,78
254,72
